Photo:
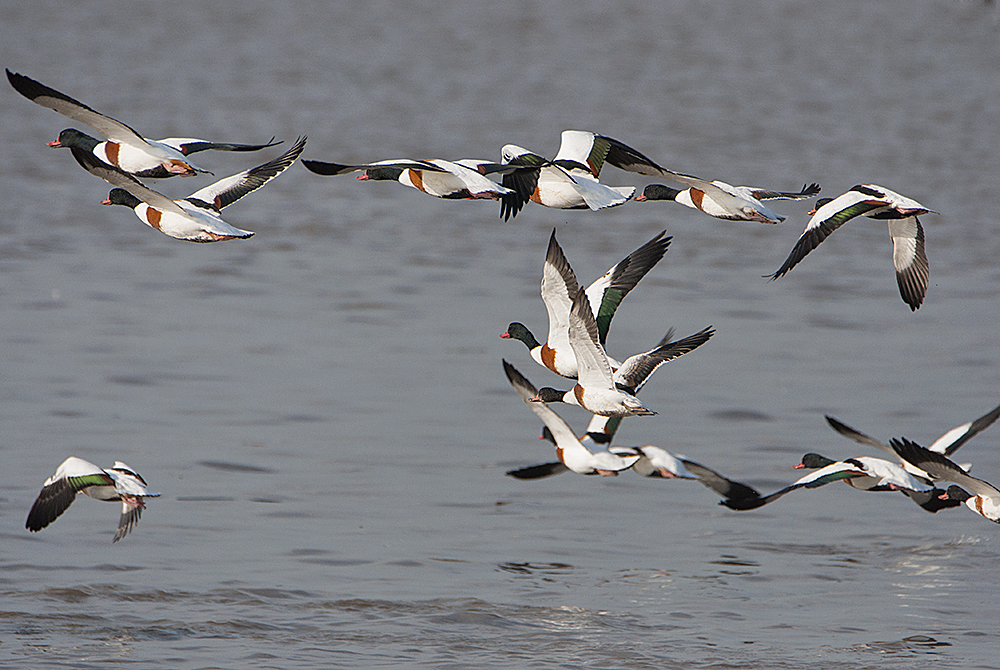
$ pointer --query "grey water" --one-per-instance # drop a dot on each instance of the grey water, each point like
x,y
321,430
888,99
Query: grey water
x,y
323,407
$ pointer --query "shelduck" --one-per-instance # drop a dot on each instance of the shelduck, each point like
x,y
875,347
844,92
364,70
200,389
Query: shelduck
x,y
876,202
604,295
125,148
462,179
572,454
978,495
196,218
75,475
724,201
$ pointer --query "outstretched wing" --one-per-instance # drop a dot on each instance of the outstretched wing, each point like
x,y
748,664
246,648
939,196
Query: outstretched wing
x,y
806,192
858,436
190,145
949,443
726,488
227,191
941,467
831,473
825,221
636,370
606,293
324,168
909,259
522,182
56,497
41,94
121,179
129,517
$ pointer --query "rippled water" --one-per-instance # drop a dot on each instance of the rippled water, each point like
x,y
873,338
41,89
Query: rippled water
x,y
323,405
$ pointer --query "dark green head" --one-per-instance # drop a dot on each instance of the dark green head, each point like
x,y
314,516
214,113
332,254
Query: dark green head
x,y
382,174
814,461
955,492
71,137
119,196
549,394
658,192
518,331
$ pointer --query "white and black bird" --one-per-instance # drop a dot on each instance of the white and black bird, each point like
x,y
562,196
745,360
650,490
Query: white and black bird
x,y
75,475
559,283
570,451
863,472
947,444
124,148
653,462
455,180
570,180
599,389
724,201
198,217
877,202
978,495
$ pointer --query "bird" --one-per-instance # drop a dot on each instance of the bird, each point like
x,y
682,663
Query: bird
x,y
978,495
196,218
605,294
947,444
724,201
877,202
462,179
553,186
926,495
570,451
861,472
570,180
653,462
124,148
584,153
598,389
75,475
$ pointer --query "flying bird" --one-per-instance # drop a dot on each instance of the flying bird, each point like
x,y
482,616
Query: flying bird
x,y
876,202
124,148
196,218
75,475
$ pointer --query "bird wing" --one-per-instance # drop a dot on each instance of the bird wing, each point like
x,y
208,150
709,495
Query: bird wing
x,y
942,467
593,369
949,443
121,179
606,293
558,286
726,488
827,219
230,189
821,477
807,191
190,145
129,517
858,436
522,182
324,168
909,259
560,429
637,369
59,490
41,94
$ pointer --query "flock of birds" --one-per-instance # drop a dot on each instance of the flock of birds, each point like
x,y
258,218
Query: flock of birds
x,y
579,318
